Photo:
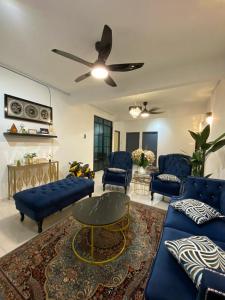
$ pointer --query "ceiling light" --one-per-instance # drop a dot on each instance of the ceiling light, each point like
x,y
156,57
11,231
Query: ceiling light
x,y
209,118
99,72
145,113
135,111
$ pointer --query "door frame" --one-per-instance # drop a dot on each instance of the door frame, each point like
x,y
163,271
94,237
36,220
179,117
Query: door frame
x,y
111,138
118,139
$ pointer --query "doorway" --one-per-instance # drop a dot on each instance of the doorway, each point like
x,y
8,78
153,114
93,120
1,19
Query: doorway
x,y
150,142
132,141
116,144
102,142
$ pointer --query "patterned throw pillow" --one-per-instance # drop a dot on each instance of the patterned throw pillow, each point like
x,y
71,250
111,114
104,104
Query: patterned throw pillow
x,y
117,170
196,210
169,177
195,254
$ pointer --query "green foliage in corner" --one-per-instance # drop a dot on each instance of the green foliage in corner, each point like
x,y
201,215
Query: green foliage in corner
x,y
203,148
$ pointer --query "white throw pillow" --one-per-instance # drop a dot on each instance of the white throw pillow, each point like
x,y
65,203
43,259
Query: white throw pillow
x,y
117,170
198,211
169,177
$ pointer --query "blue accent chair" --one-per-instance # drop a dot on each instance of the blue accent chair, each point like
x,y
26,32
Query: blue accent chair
x,y
118,160
175,164
168,280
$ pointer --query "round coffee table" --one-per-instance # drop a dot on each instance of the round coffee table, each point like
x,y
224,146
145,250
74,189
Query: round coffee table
x,y
104,220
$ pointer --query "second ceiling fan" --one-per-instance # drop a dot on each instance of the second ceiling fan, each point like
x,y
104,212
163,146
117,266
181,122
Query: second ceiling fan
x,y
99,69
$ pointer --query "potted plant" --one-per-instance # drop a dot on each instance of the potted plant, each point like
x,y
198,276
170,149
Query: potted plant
x,y
29,157
143,158
203,148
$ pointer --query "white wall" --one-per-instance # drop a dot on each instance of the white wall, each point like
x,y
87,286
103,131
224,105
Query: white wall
x,y
173,136
70,123
216,161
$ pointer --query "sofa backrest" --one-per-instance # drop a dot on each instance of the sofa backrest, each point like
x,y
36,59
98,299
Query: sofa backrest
x,y
121,159
176,164
210,191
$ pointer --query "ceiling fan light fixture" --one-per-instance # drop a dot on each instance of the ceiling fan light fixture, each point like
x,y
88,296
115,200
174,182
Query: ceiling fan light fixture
x,y
135,111
145,113
99,72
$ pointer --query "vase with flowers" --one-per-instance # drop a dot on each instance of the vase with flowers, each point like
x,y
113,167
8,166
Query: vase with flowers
x,y
143,158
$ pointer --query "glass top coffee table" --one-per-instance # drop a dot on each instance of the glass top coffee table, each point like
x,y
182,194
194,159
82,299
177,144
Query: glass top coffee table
x,y
104,220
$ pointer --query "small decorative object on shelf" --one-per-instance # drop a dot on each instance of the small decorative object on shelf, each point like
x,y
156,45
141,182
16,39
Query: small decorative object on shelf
x,y
13,128
44,131
79,169
22,129
143,158
32,131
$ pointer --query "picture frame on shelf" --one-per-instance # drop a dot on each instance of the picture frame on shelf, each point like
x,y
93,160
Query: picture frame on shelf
x,y
32,131
44,131
21,109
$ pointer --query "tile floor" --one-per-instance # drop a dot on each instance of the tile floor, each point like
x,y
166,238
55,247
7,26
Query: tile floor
x,y
14,233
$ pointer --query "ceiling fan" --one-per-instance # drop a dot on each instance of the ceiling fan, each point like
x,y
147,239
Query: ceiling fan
x,y
99,69
137,110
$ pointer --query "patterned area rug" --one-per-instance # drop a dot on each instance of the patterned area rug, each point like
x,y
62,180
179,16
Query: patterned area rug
x,y
46,267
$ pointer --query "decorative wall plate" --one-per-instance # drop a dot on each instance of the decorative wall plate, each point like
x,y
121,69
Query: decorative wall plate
x,y
17,108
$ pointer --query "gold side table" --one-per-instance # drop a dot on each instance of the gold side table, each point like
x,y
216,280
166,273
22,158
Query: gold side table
x,y
31,175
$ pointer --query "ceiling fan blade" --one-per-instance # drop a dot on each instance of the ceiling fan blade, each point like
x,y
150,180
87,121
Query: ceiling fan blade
x,y
156,112
125,67
154,109
73,57
82,77
110,81
105,44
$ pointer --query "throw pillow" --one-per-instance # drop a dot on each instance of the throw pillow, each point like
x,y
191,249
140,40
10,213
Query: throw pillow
x,y
196,210
169,177
195,254
117,170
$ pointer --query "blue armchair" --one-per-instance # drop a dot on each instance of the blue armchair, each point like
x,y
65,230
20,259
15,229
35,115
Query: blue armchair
x,y
119,171
174,164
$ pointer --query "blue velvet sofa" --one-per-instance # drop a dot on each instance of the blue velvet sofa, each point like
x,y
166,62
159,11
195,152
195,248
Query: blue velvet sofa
x,y
118,160
168,281
42,201
175,164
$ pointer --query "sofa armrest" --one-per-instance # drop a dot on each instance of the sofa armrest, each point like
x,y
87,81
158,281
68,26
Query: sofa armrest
x,y
212,285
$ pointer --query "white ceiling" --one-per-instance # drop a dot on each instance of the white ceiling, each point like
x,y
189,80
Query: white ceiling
x,y
189,97
181,42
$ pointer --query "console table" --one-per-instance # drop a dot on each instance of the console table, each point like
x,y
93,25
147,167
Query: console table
x,y
31,175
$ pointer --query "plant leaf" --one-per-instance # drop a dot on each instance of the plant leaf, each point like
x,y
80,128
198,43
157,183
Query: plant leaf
x,y
208,175
204,135
216,146
218,139
194,135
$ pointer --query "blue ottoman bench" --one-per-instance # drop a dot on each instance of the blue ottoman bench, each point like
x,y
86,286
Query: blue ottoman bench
x,y
42,201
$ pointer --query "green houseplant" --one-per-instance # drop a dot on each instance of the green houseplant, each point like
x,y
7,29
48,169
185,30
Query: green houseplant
x,y
203,148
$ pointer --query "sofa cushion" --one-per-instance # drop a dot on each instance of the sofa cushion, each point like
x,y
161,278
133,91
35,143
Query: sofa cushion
x,y
167,280
198,211
214,230
196,253
169,177
168,188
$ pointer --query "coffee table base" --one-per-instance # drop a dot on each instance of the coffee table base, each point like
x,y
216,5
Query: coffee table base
x,y
88,255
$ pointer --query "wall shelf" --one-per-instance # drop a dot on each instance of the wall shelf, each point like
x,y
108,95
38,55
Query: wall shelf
x,y
38,135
